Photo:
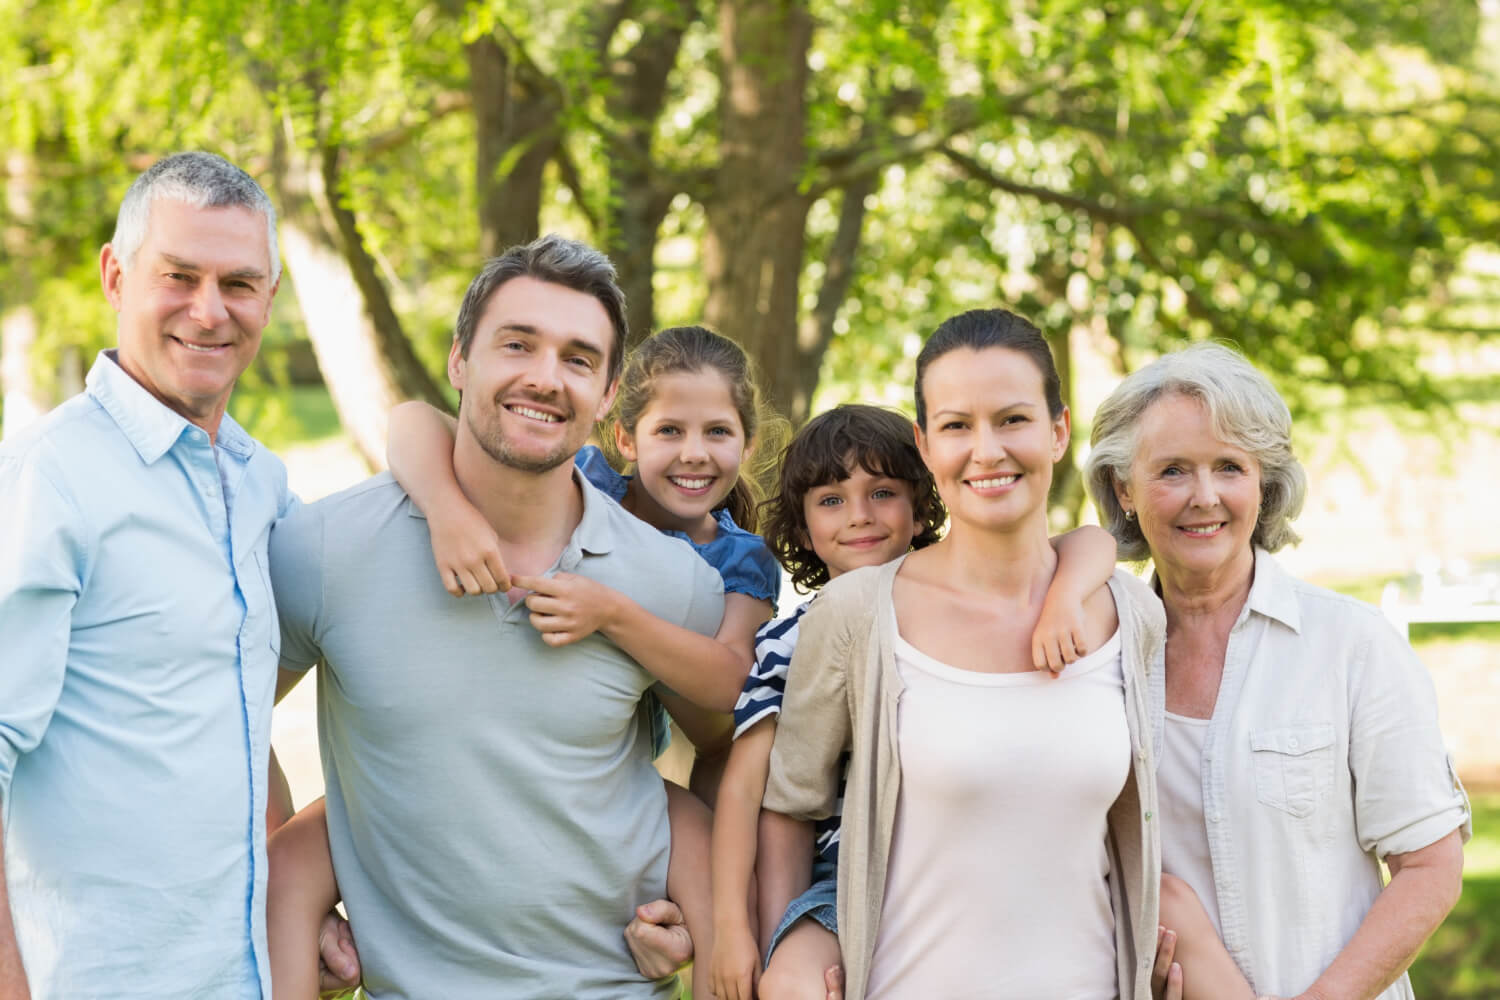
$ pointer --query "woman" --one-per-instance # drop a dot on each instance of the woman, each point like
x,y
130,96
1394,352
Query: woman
x,y
997,838
1297,733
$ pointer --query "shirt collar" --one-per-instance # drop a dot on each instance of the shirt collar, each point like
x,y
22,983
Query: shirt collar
x,y
150,427
593,534
1272,592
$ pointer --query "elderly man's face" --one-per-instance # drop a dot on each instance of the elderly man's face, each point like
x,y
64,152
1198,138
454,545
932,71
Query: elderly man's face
x,y
1197,498
193,304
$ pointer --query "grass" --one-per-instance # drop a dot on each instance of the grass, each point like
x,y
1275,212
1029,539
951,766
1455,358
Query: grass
x,y
1462,960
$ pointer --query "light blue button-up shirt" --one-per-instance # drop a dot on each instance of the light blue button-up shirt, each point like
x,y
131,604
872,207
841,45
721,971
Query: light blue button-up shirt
x,y
138,652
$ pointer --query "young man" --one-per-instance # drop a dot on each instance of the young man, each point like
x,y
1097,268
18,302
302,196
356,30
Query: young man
x,y
492,810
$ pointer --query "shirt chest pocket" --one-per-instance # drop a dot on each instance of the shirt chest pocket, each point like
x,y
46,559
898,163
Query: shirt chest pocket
x,y
1293,766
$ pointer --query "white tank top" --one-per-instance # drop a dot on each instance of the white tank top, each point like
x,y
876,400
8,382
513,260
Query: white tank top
x,y
998,879
1179,799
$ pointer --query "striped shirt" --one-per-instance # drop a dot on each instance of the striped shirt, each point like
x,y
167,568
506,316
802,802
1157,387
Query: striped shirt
x,y
761,700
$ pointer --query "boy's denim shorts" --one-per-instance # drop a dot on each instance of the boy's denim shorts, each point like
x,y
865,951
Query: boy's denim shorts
x,y
820,902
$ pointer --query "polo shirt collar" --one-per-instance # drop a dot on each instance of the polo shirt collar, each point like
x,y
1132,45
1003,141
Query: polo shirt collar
x,y
593,535
1273,594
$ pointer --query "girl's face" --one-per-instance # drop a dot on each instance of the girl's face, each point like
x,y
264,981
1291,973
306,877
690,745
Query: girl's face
x,y
990,441
864,520
687,448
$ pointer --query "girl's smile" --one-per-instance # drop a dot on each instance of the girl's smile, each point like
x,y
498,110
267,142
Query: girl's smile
x,y
687,449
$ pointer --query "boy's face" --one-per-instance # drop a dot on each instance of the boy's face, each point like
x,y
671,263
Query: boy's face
x,y
865,520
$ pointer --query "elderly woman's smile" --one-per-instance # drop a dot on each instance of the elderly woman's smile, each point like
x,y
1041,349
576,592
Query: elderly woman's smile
x,y
1196,497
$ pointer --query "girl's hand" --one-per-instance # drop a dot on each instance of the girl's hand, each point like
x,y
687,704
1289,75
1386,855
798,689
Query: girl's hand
x,y
833,982
567,607
1166,975
467,552
736,964
1059,638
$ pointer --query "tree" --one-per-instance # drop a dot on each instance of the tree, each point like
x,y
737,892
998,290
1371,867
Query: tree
x,y
825,180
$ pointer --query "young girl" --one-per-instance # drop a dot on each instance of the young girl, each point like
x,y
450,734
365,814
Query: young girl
x,y
687,414
853,493
997,825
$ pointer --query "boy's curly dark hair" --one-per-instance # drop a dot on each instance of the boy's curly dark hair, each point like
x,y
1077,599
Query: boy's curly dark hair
x,y
825,451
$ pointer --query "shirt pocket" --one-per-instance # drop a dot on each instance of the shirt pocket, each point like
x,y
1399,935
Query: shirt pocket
x,y
1293,766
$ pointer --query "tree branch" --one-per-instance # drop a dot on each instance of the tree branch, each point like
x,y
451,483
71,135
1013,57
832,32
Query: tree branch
x,y
443,105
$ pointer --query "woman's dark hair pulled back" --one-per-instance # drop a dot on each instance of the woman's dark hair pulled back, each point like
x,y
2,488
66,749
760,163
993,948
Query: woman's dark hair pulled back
x,y
980,329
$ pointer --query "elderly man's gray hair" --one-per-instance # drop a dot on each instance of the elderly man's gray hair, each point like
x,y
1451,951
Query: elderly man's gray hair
x,y
1245,411
202,180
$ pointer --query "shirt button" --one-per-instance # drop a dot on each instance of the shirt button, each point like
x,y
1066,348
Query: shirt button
x,y
1141,754
1213,817
1148,815
1292,742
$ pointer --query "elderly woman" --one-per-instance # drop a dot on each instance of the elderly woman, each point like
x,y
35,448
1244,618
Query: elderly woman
x,y
1297,733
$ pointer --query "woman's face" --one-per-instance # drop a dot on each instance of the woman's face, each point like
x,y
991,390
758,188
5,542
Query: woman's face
x,y
1197,498
990,441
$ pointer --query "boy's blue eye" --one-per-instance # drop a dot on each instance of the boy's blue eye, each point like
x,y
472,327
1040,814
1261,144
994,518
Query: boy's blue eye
x,y
883,494
830,501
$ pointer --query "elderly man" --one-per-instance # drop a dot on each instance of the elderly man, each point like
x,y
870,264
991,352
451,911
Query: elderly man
x,y
492,810
138,662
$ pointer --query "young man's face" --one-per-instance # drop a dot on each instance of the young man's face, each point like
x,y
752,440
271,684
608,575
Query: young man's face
x,y
536,378
193,304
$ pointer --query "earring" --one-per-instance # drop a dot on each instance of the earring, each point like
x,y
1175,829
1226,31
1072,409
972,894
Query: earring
x,y
1130,515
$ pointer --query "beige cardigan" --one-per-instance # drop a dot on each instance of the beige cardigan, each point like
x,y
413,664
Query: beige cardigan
x,y
842,692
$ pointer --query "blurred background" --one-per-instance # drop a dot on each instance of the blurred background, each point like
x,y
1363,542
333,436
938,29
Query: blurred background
x,y
825,180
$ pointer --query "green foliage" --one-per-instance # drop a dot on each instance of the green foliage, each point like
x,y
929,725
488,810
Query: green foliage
x,y
1302,180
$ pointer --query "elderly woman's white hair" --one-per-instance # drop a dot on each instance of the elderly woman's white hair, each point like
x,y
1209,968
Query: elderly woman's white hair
x,y
1245,411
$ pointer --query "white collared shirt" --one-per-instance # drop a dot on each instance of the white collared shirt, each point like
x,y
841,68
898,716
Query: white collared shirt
x,y
1323,755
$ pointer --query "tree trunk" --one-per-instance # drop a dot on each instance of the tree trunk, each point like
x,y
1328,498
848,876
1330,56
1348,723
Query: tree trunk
x,y
757,217
515,137
367,362
817,328
1065,499
637,201
20,400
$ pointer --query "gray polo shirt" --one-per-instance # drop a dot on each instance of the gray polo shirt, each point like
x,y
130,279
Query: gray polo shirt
x,y
492,808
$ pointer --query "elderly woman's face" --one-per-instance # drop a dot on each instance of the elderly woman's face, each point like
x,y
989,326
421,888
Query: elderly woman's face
x,y
1197,498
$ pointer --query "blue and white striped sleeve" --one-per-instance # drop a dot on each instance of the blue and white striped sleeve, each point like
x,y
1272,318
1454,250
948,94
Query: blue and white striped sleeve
x,y
761,697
